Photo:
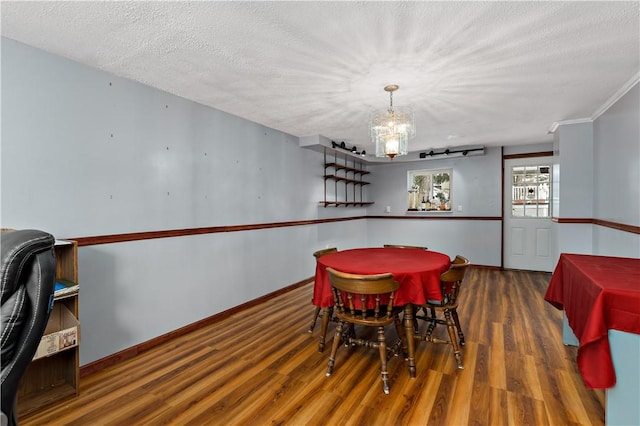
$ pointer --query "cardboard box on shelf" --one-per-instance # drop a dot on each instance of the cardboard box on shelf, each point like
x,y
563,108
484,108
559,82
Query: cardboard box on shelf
x,y
62,332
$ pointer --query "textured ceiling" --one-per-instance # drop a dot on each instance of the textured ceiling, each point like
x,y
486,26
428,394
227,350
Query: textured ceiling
x,y
491,73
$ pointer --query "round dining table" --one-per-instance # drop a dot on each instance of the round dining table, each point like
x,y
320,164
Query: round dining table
x,y
416,271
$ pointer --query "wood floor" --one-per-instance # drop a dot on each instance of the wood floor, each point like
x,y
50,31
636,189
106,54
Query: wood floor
x,y
261,367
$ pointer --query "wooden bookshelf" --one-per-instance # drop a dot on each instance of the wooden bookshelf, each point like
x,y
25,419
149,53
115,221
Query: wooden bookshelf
x,y
56,377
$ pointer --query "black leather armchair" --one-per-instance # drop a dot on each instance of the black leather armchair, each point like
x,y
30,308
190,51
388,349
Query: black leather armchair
x,y
27,279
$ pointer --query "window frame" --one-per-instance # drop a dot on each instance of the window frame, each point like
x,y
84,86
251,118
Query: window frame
x,y
534,202
416,189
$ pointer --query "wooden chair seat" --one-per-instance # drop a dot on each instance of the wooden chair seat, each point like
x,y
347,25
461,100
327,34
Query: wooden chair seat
x,y
366,300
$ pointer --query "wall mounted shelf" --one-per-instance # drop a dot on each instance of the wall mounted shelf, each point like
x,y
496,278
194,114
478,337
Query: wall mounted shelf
x,y
345,179
343,184
337,167
344,203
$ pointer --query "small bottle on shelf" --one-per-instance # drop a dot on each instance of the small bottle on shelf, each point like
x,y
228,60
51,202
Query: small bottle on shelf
x,y
423,205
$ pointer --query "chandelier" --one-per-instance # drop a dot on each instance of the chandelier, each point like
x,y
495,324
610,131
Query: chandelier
x,y
391,128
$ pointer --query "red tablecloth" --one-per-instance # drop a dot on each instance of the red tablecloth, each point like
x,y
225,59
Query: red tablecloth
x,y
417,272
598,293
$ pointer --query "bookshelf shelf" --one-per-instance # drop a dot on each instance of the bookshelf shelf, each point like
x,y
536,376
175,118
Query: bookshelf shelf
x,y
343,184
54,378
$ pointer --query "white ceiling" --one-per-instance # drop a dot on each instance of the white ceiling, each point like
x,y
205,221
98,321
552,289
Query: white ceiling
x,y
490,73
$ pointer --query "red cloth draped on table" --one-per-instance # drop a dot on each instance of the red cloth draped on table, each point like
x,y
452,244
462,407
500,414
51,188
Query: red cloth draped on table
x,y
417,272
598,293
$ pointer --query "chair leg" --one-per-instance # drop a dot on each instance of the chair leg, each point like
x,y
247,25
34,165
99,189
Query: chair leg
x,y
432,324
382,348
334,348
326,316
410,335
349,335
402,335
416,315
316,312
452,336
454,314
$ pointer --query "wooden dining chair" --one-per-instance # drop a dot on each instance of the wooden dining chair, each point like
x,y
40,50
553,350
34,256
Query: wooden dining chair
x,y
403,246
450,283
326,312
366,300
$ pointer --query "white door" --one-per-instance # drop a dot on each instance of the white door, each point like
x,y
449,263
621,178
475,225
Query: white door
x,y
527,222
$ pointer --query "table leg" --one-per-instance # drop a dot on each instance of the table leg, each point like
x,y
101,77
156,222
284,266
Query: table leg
x,y
411,344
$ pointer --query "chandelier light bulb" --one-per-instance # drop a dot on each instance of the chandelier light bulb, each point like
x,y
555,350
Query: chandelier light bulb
x,y
391,147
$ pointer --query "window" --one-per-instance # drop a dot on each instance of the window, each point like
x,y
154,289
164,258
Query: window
x,y
430,190
530,191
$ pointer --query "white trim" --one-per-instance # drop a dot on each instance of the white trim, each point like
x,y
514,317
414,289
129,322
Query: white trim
x,y
556,124
616,96
598,112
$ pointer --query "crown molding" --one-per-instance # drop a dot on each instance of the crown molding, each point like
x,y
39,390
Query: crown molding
x,y
557,124
616,96
609,102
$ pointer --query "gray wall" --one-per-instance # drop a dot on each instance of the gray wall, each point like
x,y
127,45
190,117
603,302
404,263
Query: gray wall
x,y
475,186
597,176
617,175
573,188
85,153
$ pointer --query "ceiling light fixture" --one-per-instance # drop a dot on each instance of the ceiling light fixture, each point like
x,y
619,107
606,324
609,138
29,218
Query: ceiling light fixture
x,y
353,149
391,128
464,151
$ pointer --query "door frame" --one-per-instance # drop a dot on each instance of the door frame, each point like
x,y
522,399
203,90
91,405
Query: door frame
x,y
542,155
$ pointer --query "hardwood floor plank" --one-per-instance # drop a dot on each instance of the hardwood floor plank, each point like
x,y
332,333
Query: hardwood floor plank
x,y
464,387
481,372
259,366
497,354
523,410
498,411
571,397
239,398
480,406
521,380
442,406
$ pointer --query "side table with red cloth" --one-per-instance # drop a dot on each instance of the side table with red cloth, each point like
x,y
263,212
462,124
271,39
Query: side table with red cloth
x,y
417,272
597,293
